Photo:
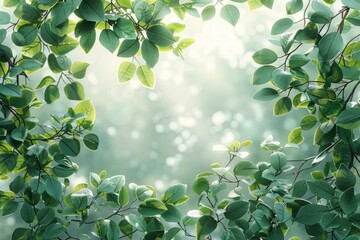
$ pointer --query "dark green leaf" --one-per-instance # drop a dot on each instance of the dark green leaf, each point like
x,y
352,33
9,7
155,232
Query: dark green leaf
x,y
51,94
92,10
151,207
74,91
311,214
109,40
345,179
160,36
281,26
236,209
91,141
321,189
129,48
69,146
282,106
349,118
245,168
53,188
348,201
263,74
150,53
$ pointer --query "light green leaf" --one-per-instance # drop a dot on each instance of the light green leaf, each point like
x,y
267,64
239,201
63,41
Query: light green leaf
x,y
126,71
230,13
4,18
294,6
295,136
145,76
86,107
245,168
265,56
78,69
281,26
263,74
282,79
208,12
354,4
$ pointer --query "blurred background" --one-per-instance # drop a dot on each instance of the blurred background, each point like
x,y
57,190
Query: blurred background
x,y
165,135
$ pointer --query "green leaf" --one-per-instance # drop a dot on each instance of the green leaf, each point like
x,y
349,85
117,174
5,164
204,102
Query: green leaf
x,y
123,196
48,36
254,4
281,26
345,179
300,188
92,10
308,122
160,10
263,74
10,90
321,17
160,36
9,208
208,12
124,28
245,168
27,213
349,118
278,160
282,214
330,220
201,185
91,141
52,231
298,60
282,106
267,3
321,189
112,184
174,193
266,94
348,202
173,214
4,18
236,209
87,40
295,136
78,69
19,134
151,207
330,45
354,4
129,48
136,221
282,79
150,53
310,214
126,71
86,107
27,12
113,232
204,226
109,40
145,76
53,188
294,6
51,94
69,146
74,91
65,46
230,13
265,56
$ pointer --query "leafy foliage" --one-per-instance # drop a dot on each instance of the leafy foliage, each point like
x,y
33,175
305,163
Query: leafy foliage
x,y
313,66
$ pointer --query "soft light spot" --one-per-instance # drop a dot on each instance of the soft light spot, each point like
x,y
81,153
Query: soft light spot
x,y
218,118
111,131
